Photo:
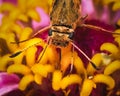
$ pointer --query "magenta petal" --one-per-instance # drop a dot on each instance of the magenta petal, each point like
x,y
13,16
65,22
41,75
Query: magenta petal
x,y
10,1
8,82
90,40
7,79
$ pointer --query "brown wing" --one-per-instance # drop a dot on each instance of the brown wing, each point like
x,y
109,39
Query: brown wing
x,y
65,12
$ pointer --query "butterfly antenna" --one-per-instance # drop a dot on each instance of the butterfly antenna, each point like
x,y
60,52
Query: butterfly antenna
x,y
85,56
19,52
98,28
72,59
48,42
20,41
40,31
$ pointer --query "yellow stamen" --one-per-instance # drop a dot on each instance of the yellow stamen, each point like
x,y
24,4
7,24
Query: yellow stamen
x,y
6,7
87,87
14,14
26,32
16,28
38,79
108,1
52,57
112,67
10,37
18,68
30,56
4,61
23,18
33,42
77,62
18,59
57,76
66,61
108,80
118,22
32,13
43,70
25,81
70,79
116,6
117,31
110,47
97,60
117,39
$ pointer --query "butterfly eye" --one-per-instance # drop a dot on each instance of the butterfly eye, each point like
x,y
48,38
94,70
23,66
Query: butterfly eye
x,y
50,32
71,35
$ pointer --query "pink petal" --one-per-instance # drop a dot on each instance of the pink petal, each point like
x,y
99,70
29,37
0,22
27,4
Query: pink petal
x,y
8,82
88,8
8,88
105,15
1,18
45,20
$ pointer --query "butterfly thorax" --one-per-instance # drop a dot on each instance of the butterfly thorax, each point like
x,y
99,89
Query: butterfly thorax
x,y
61,35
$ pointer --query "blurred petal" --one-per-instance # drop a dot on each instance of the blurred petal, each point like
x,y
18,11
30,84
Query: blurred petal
x,y
8,88
1,19
7,7
117,17
45,21
11,1
32,13
88,8
8,82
